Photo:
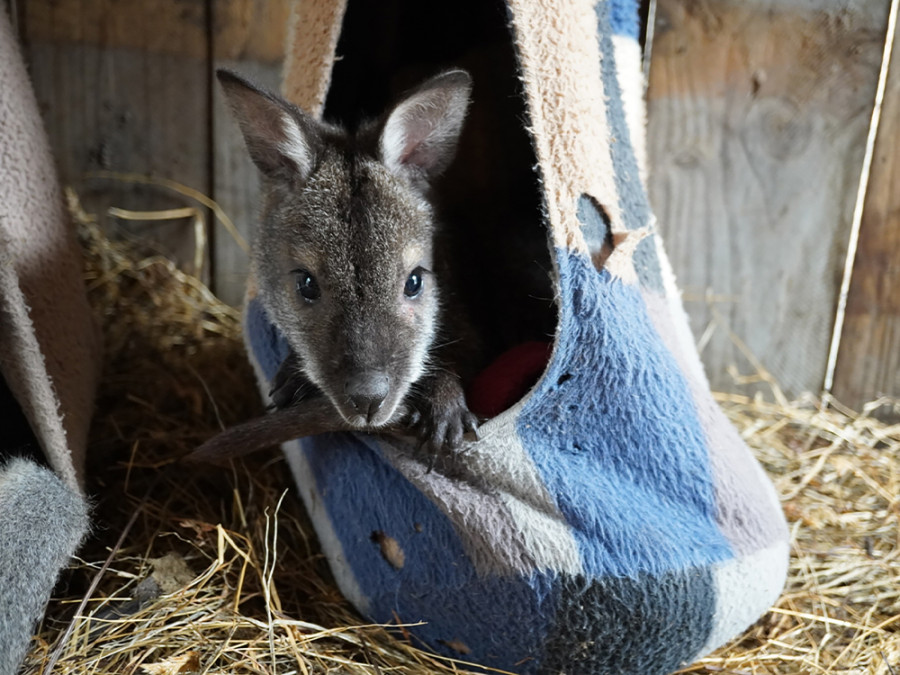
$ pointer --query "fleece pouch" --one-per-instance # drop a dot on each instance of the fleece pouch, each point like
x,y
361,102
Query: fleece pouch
x,y
611,521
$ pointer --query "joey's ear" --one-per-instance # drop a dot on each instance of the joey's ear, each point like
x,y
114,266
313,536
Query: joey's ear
x,y
281,138
421,131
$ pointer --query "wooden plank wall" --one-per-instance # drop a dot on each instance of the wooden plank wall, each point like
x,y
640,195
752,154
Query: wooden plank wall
x,y
758,114
124,88
127,87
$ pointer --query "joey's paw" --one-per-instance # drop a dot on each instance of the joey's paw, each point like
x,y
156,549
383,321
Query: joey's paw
x,y
290,386
441,429
439,416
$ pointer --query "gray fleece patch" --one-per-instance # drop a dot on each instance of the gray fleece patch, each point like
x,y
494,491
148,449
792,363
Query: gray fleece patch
x,y
42,522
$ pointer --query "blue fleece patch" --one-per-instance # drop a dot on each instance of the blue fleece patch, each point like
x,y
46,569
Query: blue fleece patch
x,y
501,620
266,343
613,431
624,18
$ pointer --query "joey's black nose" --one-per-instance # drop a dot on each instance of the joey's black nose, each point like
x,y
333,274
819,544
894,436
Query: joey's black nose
x,y
367,391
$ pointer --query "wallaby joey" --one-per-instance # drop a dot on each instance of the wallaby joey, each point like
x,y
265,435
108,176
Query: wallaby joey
x,y
344,255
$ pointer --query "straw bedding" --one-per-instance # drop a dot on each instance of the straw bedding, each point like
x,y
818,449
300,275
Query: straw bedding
x,y
215,570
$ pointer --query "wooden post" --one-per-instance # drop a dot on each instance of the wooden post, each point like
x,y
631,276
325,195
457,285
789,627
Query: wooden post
x,y
868,362
249,38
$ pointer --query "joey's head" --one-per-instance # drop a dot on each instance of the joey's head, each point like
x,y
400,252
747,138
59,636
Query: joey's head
x,y
344,254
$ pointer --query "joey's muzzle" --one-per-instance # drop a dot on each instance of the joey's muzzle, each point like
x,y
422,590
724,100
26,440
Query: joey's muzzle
x,y
366,392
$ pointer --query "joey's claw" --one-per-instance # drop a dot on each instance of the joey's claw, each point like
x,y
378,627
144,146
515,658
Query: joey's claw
x,y
454,436
282,396
432,458
470,422
413,418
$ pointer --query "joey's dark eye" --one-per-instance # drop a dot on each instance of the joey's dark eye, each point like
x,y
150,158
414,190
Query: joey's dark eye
x,y
307,286
414,283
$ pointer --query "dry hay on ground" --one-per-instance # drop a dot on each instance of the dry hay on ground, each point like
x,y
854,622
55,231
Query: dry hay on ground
x,y
218,571
838,474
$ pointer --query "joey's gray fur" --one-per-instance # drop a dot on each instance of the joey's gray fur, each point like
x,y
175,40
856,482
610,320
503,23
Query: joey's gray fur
x,y
345,237
42,521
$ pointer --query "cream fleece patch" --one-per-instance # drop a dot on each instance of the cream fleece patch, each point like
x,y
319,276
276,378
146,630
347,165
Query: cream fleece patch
x,y
50,345
312,39
559,52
